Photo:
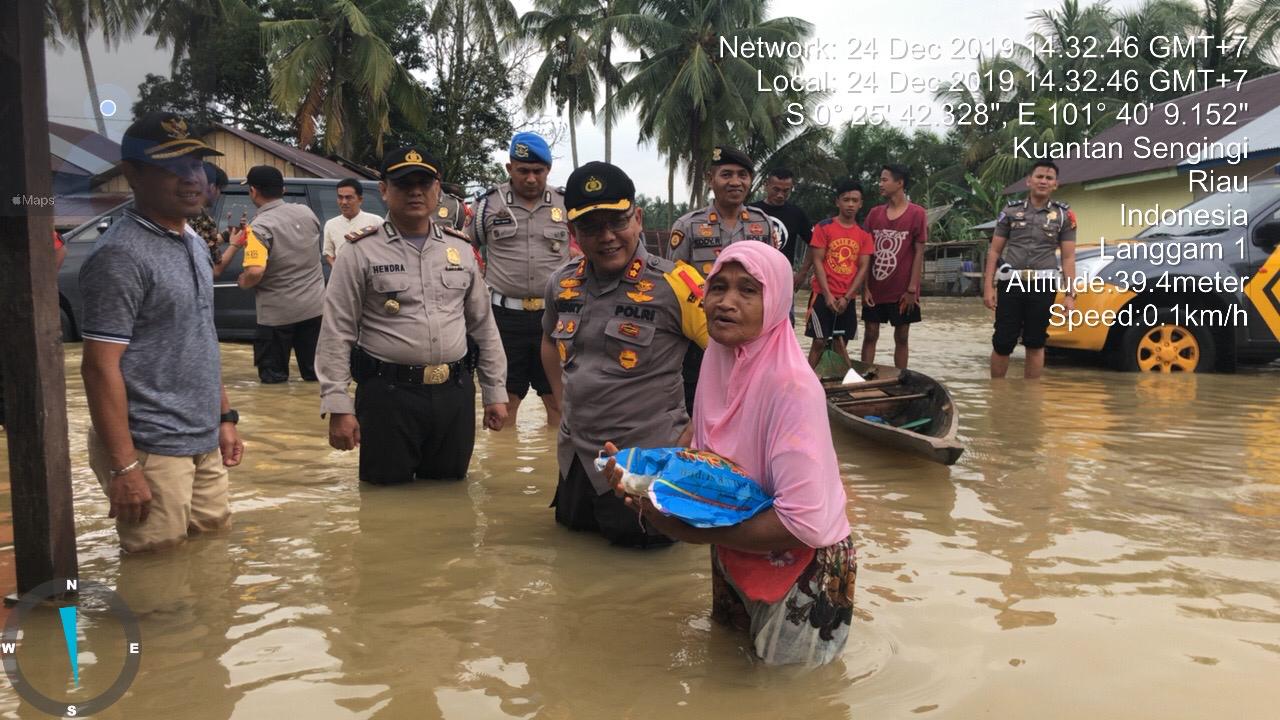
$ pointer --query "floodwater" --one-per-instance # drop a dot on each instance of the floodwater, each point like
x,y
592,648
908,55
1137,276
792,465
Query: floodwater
x,y
1105,548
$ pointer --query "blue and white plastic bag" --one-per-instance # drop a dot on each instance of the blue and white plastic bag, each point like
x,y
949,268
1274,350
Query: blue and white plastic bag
x,y
698,487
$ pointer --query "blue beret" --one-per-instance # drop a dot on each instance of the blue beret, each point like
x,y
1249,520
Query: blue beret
x,y
530,147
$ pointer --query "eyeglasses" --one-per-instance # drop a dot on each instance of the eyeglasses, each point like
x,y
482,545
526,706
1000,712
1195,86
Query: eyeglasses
x,y
596,230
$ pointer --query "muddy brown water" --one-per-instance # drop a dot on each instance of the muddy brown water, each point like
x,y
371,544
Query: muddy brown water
x,y
1106,547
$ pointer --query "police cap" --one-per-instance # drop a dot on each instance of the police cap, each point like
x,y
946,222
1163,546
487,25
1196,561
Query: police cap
x,y
725,155
407,160
598,186
159,136
264,177
530,147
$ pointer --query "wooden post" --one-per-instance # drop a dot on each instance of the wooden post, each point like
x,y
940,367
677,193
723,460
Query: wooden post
x,y
34,384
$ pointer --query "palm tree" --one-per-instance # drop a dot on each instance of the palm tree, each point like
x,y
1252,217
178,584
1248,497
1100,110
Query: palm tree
x,y
601,40
77,19
336,70
567,73
689,97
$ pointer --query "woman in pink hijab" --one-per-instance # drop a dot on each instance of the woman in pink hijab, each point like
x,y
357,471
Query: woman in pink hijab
x,y
787,574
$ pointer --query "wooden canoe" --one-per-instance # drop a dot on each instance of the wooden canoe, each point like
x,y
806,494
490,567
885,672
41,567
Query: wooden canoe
x,y
916,413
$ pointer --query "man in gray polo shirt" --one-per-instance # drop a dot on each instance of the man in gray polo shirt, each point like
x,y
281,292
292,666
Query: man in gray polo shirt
x,y
282,267
163,432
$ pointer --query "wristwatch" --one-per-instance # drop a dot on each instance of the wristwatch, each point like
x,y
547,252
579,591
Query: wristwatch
x,y
230,416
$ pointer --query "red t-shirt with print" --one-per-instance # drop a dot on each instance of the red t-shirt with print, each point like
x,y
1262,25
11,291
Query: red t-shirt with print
x,y
844,245
895,250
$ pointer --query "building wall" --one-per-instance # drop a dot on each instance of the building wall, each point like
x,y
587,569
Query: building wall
x,y
239,156
1098,205
1098,209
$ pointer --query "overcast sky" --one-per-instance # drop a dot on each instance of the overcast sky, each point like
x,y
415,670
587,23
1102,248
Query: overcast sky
x,y
843,27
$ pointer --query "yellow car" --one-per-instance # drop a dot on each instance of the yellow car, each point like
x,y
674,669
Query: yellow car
x,y
1198,294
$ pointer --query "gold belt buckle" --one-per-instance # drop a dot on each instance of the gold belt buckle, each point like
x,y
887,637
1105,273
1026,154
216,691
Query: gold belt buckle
x,y
435,374
532,304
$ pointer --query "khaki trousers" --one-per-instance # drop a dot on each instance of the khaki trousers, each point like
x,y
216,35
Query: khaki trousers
x,y
189,495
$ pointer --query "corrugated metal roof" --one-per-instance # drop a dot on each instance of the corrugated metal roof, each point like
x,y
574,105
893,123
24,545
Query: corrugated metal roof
x,y
319,166
78,151
1260,123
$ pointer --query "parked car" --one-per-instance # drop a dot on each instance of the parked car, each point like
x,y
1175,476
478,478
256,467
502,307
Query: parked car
x,y
233,308
1192,296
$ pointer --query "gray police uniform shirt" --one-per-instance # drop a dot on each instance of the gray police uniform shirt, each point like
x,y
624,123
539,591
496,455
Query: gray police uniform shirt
x,y
1034,233
524,246
621,344
288,243
451,213
699,236
442,299
151,289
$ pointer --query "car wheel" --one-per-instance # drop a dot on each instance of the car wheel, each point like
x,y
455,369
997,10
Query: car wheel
x,y
1167,346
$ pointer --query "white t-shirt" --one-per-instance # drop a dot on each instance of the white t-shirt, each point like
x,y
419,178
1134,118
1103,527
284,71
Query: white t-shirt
x,y
335,231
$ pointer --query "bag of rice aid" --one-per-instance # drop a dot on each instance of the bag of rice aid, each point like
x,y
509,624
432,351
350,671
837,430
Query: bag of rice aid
x,y
698,487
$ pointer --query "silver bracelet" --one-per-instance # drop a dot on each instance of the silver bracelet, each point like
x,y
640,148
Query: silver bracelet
x,y
126,469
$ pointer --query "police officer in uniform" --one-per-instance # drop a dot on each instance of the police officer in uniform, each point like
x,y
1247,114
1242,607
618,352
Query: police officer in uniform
x,y
521,226
453,209
615,331
698,237
1028,233
282,266
401,301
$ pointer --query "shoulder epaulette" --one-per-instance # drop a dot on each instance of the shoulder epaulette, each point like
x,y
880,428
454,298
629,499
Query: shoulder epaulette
x,y
1061,204
1011,203
559,189
358,235
456,233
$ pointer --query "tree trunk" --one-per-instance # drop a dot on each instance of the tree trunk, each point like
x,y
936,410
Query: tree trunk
x,y
671,190
88,78
573,131
608,101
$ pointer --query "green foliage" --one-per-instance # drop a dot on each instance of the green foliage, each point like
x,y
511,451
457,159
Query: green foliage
x,y
688,96
658,215
989,146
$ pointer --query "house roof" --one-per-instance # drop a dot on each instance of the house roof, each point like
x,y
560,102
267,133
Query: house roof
x,y
1260,123
77,151
312,163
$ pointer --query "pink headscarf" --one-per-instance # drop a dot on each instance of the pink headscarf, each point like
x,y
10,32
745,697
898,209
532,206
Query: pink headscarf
x,y
762,406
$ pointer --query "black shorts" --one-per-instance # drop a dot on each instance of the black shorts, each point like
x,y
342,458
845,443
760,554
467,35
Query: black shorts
x,y
831,325
521,332
423,431
1021,313
889,313
579,507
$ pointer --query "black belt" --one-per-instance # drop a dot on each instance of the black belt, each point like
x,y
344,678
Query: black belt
x,y
364,366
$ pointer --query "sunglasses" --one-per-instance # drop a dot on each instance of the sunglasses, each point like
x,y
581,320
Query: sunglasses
x,y
596,229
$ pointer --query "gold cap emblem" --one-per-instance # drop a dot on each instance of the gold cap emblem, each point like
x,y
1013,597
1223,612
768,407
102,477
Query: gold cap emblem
x,y
176,127
593,184
715,155
522,150
413,157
